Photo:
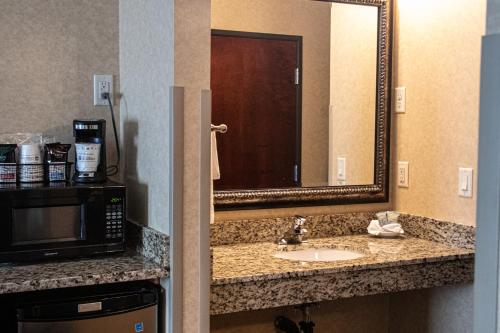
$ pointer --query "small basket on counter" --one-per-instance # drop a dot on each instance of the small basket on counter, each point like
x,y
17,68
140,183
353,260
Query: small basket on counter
x,y
12,173
30,173
58,171
8,173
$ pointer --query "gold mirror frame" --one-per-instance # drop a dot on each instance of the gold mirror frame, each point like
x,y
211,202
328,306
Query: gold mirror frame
x,y
347,194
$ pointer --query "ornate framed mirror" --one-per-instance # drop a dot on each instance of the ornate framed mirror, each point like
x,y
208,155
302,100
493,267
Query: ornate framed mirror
x,y
305,92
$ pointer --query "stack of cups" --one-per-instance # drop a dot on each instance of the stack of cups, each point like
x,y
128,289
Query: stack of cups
x,y
389,217
30,163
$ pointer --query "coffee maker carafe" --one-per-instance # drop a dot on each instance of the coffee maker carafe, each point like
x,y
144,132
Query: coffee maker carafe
x,y
90,151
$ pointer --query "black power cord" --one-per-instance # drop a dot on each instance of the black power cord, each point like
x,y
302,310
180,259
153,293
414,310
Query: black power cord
x,y
113,169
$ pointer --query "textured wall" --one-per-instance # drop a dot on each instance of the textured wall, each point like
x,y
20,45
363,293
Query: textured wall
x,y
437,57
48,54
146,67
353,81
312,21
354,315
192,71
434,310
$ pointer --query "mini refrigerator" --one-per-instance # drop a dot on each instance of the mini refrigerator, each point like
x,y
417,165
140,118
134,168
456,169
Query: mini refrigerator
x,y
124,310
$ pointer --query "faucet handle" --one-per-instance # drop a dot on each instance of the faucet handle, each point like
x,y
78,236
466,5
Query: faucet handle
x,y
299,221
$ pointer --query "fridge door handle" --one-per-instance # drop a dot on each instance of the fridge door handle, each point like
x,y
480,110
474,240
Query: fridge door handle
x,y
89,307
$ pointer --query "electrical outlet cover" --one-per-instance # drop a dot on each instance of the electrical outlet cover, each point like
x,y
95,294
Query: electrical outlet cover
x,y
400,103
403,174
102,83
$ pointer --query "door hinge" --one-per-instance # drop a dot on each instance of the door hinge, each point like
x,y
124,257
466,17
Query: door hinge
x,y
297,76
296,173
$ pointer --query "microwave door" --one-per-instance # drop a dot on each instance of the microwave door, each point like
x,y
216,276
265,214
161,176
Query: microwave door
x,y
48,225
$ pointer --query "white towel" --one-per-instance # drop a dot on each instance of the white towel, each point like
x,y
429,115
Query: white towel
x,y
387,230
212,210
215,173
215,158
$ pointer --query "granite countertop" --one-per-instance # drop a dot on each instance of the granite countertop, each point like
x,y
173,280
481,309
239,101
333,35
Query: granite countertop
x,y
255,261
246,276
128,266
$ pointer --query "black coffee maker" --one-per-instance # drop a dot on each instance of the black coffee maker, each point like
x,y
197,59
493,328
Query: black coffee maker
x,y
90,150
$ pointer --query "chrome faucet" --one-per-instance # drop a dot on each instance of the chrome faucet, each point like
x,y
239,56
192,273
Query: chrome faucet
x,y
295,234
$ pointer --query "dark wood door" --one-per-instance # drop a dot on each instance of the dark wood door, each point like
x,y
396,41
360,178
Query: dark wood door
x,y
255,93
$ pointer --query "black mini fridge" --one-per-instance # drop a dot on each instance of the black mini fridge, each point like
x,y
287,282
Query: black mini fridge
x,y
133,309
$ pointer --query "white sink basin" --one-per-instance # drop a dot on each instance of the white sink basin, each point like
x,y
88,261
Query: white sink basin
x,y
318,255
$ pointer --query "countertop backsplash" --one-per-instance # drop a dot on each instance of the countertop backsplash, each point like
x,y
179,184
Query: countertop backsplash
x,y
148,242
321,226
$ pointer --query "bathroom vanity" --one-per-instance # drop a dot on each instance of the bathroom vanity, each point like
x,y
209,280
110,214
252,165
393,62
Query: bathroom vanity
x,y
248,276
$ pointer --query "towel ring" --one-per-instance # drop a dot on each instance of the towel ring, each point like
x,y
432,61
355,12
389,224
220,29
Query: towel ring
x,y
222,128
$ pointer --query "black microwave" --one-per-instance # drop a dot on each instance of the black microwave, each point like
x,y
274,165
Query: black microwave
x,y
61,220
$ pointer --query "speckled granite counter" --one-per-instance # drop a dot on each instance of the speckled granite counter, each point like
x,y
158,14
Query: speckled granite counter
x,y
248,277
83,272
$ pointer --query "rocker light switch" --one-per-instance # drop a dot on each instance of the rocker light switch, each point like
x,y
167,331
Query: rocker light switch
x,y
341,168
465,182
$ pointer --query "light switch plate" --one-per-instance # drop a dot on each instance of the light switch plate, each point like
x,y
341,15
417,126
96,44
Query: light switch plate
x,y
465,182
102,83
403,174
400,103
341,169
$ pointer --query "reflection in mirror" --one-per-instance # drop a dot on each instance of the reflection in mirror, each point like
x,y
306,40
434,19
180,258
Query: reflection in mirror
x,y
295,82
353,77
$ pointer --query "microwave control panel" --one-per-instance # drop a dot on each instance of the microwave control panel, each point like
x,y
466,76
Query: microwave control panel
x,y
114,219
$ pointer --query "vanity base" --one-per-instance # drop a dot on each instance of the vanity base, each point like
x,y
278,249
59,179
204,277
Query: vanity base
x,y
255,295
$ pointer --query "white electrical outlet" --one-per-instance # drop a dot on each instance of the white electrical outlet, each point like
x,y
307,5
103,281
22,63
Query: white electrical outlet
x,y
341,169
403,174
400,100
465,181
102,84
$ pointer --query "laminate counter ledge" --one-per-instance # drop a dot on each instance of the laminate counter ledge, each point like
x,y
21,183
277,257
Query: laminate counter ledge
x,y
248,277
129,266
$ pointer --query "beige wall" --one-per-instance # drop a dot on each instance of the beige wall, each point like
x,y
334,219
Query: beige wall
x,y
162,48
48,54
146,65
436,310
437,57
312,21
192,71
353,81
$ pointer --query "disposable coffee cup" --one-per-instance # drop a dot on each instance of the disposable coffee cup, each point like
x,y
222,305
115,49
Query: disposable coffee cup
x,y
30,154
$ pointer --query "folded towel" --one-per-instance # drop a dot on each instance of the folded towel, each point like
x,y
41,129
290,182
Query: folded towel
x,y
215,157
389,230
215,173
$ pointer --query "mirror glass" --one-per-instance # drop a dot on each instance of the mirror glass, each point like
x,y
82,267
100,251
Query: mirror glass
x,y
295,83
